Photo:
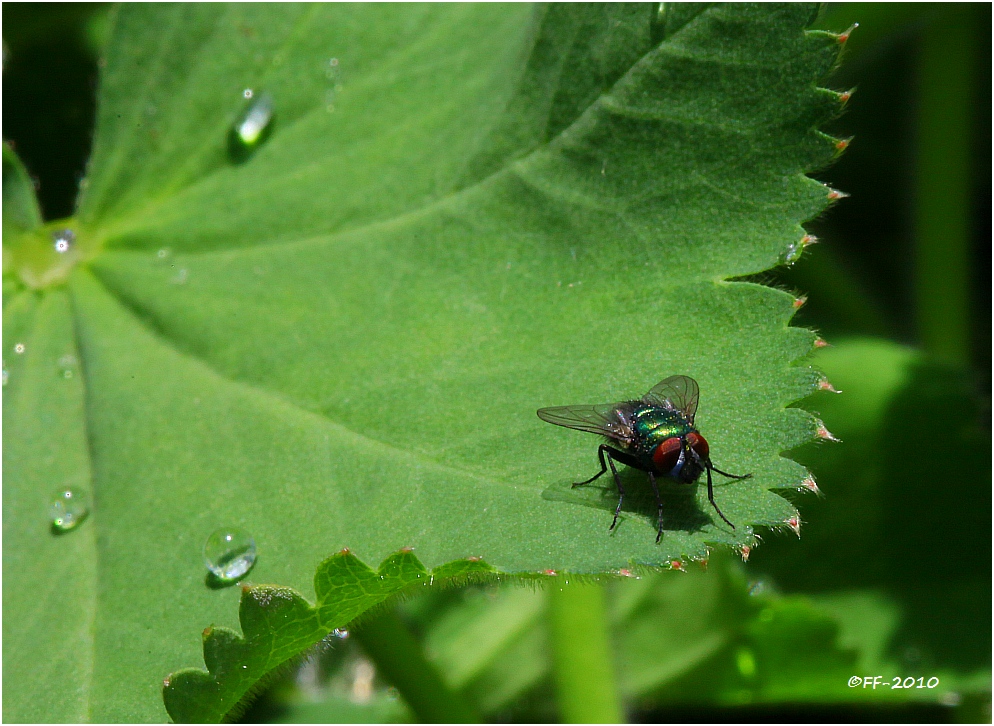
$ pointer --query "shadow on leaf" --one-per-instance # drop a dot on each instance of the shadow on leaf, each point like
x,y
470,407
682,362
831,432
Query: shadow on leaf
x,y
680,508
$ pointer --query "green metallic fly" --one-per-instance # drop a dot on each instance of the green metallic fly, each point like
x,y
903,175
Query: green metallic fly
x,y
655,434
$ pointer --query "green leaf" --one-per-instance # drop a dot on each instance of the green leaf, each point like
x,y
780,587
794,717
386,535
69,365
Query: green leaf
x,y
20,206
29,254
51,595
341,339
894,601
277,624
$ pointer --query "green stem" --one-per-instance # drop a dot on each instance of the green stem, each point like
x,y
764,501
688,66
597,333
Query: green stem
x,y
399,658
943,186
582,661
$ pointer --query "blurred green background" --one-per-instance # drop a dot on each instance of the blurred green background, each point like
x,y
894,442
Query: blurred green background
x,y
891,575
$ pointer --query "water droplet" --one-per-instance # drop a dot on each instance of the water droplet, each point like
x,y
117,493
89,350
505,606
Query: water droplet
x,y
63,240
67,366
180,278
248,93
19,348
6,375
229,553
252,128
163,253
340,634
68,508
792,253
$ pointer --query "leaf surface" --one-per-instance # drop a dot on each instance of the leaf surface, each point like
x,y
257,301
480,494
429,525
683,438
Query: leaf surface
x,y
462,213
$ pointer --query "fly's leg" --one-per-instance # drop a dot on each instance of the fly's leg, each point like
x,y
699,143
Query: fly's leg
x,y
707,465
711,497
595,477
725,473
659,505
621,491
601,450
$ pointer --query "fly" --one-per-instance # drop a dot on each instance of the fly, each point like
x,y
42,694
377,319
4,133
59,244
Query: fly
x,y
654,434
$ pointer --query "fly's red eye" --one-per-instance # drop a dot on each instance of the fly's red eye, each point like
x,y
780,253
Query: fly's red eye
x,y
698,444
667,454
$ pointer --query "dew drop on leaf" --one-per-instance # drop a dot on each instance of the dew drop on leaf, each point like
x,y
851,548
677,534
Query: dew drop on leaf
x,y
792,253
229,553
68,508
67,366
252,128
63,240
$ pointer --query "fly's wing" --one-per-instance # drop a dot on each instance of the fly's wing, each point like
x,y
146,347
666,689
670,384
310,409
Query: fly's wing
x,y
606,419
679,392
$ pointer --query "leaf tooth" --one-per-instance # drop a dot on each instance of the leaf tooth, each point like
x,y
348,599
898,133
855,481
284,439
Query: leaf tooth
x,y
842,37
744,552
795,524
842,144
799,302
810,485
835,195
825,385
823,433
821,343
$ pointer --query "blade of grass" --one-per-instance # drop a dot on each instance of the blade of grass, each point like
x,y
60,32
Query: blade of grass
x,y
582,661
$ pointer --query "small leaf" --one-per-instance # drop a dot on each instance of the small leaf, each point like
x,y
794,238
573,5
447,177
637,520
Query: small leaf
x,y
278,624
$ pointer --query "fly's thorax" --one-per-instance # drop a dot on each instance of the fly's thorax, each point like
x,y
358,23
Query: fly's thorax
x,y
652,425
